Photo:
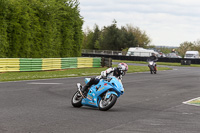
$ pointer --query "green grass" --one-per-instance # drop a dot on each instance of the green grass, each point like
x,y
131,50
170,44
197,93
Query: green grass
x,y
16,76
159,63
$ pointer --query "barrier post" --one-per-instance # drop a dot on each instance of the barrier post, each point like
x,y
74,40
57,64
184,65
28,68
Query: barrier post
x,y
185,62
102,61
108,62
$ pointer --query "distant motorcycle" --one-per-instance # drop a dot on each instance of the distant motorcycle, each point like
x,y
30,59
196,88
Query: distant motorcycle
x,y
103,95
152,66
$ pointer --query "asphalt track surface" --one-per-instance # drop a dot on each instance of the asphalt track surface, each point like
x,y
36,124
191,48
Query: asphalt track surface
x,y
150,104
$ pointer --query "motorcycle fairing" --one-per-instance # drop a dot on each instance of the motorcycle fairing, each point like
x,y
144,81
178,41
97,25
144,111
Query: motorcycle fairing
x,y
91,99
87,80
109,93
95,91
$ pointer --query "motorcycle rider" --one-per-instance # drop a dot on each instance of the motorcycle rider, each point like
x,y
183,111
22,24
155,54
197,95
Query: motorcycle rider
x,y
118,72
154,58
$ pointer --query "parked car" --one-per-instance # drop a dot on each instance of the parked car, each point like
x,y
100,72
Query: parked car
x,y
191,54
173,55
161,54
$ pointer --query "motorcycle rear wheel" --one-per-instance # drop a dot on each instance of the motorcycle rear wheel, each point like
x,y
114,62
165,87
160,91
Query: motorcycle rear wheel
x,y
106,104
76,100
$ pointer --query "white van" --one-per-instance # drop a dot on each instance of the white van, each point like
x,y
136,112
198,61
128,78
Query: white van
x,y
138,51
191,54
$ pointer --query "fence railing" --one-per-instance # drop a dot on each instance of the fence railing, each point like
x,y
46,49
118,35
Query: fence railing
x,y
111,52
138,58
108,52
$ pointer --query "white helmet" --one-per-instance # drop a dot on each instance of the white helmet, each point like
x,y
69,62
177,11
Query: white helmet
x,y
123,67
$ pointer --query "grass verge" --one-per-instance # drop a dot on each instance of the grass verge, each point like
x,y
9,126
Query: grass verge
x,y
16,76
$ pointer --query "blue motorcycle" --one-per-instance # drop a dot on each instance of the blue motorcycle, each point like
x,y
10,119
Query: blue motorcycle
x,y
102,95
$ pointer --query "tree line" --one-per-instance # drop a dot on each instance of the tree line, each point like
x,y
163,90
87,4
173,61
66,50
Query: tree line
x,y
188,46
53,29
114,38
40,28
120,39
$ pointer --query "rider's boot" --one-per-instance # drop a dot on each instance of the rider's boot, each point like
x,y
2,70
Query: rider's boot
x,y
155,68
80,89
85,90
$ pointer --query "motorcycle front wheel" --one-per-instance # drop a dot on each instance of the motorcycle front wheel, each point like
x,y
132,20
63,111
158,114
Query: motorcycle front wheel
x,y
151,71
76,100
106,104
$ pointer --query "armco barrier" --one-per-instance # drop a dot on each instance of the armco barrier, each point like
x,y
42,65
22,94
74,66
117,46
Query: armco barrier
x,y
84,62
30,64
39,64
9,64
68,63
96,62
137,58
51,64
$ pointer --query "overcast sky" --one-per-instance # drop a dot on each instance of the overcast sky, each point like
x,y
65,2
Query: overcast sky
x,y
166,22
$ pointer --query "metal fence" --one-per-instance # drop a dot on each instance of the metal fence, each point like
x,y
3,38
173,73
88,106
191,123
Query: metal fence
x,y
111,52
107,52
138,58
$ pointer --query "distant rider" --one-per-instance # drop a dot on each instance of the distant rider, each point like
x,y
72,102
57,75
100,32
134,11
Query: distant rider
x,y
154,58
118,72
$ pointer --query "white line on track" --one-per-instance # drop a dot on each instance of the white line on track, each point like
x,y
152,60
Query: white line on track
x,y
38,80
188,102
37,83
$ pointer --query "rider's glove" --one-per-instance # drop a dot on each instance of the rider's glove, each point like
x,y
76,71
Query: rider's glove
x,y
103,74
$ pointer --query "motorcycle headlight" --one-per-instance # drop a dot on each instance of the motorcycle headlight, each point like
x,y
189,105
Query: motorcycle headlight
x,y
122,91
